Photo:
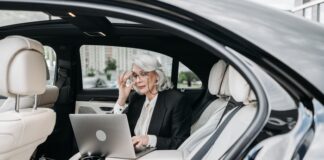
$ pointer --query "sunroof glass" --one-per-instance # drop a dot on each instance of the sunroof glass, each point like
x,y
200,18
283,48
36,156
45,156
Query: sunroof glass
x,y
10,17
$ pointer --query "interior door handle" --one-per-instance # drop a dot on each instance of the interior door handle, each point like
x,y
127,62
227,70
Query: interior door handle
x,y
103,108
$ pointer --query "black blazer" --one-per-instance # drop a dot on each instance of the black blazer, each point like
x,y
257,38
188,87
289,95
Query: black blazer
x,y
171,118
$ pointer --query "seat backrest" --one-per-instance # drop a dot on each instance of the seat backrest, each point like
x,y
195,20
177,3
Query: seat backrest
x,y
45,100
23,73
211,116
237,125
216,87
49,97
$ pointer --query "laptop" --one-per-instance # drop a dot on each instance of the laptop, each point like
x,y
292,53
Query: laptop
x,y
107,135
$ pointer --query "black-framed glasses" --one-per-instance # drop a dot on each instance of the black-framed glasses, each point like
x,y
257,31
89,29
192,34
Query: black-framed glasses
x,y
141,75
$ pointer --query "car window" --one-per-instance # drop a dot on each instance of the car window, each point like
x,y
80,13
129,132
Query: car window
x,y
101,65
187,79
50,57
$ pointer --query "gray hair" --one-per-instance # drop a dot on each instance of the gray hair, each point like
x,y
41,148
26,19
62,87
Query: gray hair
x,y
149,63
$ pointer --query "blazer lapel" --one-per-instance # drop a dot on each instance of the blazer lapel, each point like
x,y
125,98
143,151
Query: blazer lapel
x,y
158,115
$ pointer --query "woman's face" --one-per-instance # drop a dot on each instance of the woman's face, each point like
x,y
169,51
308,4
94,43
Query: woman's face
x,y
145,82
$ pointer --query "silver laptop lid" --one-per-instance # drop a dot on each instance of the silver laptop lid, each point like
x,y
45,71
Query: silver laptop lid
x,y
104,134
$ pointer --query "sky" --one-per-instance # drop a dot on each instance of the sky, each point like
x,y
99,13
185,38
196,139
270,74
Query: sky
x,y
280,4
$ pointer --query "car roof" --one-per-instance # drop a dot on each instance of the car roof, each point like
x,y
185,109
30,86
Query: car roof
x,y
296,42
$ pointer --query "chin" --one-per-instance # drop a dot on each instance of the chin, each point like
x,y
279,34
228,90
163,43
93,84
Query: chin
x,y
141,91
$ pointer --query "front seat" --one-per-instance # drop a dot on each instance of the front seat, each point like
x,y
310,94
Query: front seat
x,y
236,121
23,73
211,116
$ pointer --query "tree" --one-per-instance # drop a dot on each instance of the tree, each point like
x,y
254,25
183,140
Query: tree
x,y
91,73
110,66
108,76
182,77
187,76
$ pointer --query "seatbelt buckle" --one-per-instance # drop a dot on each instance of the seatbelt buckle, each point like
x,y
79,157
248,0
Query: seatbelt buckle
x,y
62,72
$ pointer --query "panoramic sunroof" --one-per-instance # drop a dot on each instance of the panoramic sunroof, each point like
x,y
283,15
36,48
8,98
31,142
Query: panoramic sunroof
x,y
10,17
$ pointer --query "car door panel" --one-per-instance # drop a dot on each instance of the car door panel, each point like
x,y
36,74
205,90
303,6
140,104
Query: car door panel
x,y
95,107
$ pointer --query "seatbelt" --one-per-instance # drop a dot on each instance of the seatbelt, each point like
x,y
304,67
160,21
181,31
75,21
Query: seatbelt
x,y
203,150
63,69
62,76
231,105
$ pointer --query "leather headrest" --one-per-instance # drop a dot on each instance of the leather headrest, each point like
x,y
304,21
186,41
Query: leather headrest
x,y
238,86
22,67
216,76
47,100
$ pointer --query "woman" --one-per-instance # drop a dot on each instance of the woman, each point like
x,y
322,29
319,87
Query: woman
x,y
157,115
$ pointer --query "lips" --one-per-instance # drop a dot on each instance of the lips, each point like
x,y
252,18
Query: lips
x,y
140,87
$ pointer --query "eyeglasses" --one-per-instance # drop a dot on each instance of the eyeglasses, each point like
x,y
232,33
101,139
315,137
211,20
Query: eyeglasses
x,y
141,75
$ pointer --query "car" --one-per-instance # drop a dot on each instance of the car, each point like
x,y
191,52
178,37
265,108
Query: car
x,y
278,55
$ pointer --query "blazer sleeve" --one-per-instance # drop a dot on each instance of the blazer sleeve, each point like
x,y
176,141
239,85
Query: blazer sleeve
x,y
180,126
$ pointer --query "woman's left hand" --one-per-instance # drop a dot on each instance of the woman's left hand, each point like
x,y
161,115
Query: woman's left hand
x,y
140,142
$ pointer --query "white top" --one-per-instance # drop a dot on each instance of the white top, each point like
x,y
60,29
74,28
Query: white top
x,y
144,120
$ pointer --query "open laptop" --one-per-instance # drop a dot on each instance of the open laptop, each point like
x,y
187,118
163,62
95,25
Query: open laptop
x,y
104,134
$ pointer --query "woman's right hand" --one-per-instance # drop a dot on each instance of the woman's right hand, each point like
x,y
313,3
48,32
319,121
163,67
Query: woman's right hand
x,y
124,89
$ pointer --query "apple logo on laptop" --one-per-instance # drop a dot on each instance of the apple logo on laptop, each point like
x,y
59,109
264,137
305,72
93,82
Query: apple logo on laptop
x,y
101,135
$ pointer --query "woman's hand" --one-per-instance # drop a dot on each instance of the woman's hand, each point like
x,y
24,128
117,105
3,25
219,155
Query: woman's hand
x,y
124,89
140,142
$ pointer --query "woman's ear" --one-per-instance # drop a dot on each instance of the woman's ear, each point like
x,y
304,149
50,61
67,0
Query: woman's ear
x,y
157,78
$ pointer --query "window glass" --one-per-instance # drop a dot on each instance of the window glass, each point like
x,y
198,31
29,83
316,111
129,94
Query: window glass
x,y
101,65
50,58
187,78
9,17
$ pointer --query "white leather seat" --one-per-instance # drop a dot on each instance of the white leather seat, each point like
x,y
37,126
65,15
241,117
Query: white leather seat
x,y
209,119
23,73
236,86
241,92
215,87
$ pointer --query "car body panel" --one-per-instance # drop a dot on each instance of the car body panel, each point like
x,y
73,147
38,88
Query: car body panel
x,y
294,41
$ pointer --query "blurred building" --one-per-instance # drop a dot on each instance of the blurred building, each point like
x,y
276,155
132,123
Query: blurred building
x,y
94,58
